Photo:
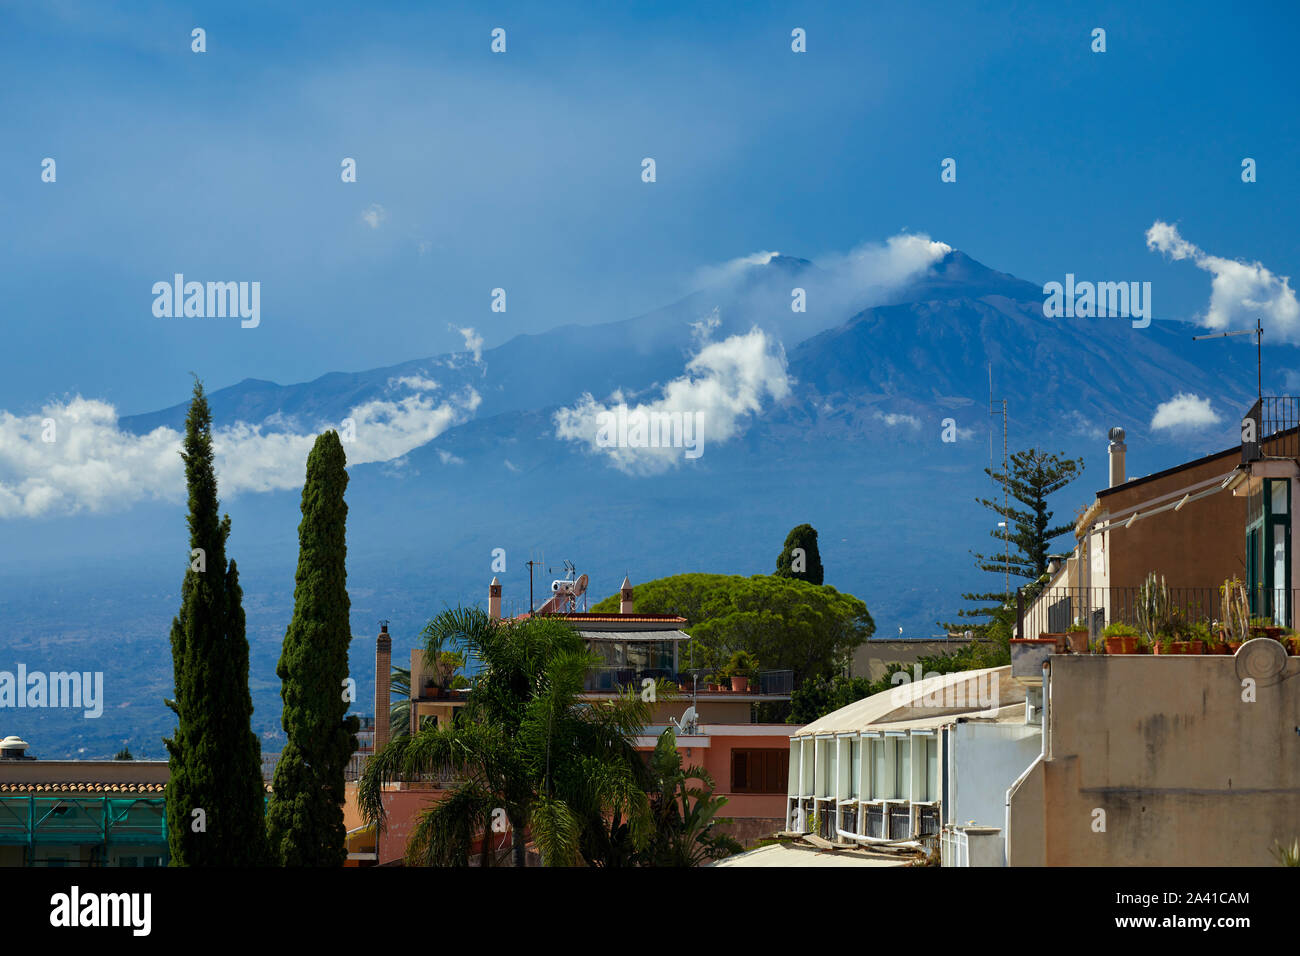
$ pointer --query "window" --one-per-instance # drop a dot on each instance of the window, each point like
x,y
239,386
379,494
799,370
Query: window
x,y
855,768
759,771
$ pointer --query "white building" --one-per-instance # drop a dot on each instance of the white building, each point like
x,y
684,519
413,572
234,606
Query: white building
x,y
929,761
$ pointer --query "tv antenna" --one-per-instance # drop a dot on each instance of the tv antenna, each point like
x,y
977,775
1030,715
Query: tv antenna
x,y
1006,547
1258,332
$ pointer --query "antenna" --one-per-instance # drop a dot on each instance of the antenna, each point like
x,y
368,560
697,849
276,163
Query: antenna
x,y
1258,332
1006,546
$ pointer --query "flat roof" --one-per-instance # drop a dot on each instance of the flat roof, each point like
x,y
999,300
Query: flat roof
x,y
795,854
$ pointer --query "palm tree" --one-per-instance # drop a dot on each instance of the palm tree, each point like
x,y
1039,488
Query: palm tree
x,y
561,769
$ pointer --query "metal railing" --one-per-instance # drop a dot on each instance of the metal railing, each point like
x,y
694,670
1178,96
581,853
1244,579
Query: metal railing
x,y
1055,610
612,679
1279,426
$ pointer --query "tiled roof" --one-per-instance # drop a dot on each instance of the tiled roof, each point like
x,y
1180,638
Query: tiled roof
x,y
81,787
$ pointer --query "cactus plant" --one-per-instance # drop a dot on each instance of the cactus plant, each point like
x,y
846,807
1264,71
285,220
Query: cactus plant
x,y
1153,609
1235,610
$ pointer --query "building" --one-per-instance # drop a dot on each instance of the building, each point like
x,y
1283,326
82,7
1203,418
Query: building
x,y
1153,760
921,763
715,728
81,812
1223,516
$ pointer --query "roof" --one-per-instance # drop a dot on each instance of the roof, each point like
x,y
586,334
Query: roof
x,y
1134,482
927,703
794,854
80,787
667,634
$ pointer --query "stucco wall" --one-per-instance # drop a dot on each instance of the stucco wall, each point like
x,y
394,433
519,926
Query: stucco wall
x,y
1198,547
987,759
1186,772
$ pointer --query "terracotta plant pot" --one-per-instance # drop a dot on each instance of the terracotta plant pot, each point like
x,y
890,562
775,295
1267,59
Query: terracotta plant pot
x,y
740,685
1233,646
1182,647
1078,641
1292,645
1125,644
1060,637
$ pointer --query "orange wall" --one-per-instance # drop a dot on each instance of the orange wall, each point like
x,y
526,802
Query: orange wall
x,y
1198,547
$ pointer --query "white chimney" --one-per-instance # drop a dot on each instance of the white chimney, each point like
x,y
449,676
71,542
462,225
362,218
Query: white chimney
x,y
625,597
1117,449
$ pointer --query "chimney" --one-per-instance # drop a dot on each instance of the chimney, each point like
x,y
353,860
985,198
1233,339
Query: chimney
x,y
1117,449
494,600
625,597
383,685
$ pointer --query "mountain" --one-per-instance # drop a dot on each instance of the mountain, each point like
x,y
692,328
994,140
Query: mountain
x,y
854,448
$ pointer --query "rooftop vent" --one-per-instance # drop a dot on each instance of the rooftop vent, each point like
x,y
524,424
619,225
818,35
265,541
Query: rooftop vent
x,y
14,748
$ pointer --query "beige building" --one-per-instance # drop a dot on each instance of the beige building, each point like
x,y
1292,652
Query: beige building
x,y
1161,761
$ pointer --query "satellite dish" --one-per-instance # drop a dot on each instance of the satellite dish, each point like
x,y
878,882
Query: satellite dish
x,y
1262,659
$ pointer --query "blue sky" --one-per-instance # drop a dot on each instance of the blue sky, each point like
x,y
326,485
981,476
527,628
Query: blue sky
x,y
522,170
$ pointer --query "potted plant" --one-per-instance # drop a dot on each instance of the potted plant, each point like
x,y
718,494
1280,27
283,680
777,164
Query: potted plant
x,y
1120,638
1200,634
1264,627
741,667
1154,612
1077,636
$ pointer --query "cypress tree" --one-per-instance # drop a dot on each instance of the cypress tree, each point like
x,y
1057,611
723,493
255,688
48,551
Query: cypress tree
x,y
214,756
305,818
805,567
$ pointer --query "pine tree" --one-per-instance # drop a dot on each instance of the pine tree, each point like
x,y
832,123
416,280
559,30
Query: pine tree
x,y
305,818
806,566
215,795
1031,477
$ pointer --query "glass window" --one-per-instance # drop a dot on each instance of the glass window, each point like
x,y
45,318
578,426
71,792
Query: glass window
x,y
904,786
1277,503
878,770
855,768
931,768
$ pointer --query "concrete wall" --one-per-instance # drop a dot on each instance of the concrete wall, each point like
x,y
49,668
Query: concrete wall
x,y
1185,771
987,759
873,657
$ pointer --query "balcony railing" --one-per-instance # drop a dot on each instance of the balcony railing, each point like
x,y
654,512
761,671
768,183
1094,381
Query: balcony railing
x,y
1055,610
611,679
1279,434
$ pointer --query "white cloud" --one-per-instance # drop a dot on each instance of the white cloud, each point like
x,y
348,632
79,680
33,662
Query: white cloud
x,y
512,466
1239,291
373,215
447,458
473,342
727,271
724,383
1080,425
94,465
416,383
1184,411
898,260
702,331
893,420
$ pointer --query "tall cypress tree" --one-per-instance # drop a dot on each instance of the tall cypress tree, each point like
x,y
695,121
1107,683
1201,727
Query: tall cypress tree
x,y
214,756
305,819
805,567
